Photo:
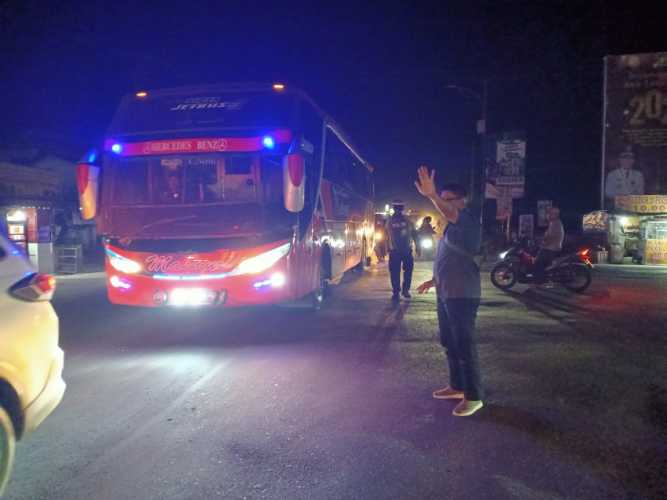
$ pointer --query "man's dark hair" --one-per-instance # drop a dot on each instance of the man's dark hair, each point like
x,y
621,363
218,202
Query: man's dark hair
x,y
457,189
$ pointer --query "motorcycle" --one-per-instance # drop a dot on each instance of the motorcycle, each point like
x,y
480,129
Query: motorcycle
x,y
426,246
572,271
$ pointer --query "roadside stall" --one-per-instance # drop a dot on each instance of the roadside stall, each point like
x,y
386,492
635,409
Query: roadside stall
x,y
647,215
637,229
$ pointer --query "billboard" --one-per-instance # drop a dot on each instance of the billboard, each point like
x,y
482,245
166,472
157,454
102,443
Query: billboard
x,y
634,158
505,156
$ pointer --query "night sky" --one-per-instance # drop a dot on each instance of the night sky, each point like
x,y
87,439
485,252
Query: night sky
x,y
379,68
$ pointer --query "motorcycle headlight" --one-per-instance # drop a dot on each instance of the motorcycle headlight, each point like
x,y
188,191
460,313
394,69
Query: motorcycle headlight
x,y
263,261
123,264
503,254
426,244
378,236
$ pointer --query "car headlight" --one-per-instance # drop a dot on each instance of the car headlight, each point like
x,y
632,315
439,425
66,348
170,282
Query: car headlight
x,y
123,264
263,261
426,243
378,236
503,254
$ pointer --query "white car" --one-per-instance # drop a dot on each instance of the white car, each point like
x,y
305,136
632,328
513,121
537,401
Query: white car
x,y
31,362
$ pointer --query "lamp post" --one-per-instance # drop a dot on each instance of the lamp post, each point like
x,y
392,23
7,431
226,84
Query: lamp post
x,y
481,133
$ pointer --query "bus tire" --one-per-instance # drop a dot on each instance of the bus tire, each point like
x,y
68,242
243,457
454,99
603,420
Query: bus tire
x,y
318,296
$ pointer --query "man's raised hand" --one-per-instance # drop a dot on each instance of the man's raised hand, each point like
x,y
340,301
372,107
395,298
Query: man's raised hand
x,y
425,182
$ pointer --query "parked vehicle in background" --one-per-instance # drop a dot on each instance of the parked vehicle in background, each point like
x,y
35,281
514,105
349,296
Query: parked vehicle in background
x,y
31,362
226,195
572,271
426,238
380,236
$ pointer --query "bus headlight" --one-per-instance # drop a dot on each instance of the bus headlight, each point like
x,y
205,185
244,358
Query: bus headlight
x,y
263,261
123,264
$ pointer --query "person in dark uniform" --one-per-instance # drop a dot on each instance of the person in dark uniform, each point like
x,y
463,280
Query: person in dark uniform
x,y
400,235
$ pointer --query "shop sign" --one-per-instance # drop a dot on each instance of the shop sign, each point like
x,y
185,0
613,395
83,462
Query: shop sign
x,y
647,204
655,252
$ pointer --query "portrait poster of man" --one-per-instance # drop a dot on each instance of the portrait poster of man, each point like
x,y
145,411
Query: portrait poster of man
x,y
635,131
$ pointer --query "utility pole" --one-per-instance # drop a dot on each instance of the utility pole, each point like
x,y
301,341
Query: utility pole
x,y
482,99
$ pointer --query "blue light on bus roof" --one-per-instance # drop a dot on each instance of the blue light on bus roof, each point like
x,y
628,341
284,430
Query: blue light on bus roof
x,y
117,148
268,142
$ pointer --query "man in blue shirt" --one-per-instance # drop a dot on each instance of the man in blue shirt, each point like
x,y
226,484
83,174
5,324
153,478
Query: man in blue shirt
x,y
458,286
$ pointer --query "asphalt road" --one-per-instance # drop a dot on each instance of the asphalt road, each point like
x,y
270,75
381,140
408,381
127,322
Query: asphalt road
x,y
281,403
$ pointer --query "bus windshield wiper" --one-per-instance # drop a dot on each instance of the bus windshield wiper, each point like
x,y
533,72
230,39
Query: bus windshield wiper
x,y
166,221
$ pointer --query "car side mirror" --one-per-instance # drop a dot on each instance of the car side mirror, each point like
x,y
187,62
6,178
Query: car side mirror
x,y
294,182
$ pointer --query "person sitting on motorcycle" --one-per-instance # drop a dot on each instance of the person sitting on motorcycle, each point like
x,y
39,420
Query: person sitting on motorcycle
x,y
552,244
426,229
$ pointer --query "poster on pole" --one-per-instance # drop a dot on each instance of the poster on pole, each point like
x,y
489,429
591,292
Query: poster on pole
x,y
526,226
505,156
634,157
542,209
503,208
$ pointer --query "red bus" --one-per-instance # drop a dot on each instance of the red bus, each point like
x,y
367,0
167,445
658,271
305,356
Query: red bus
x,y
226,195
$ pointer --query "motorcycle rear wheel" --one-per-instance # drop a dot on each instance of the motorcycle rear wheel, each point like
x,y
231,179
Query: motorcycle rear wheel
x,y
503,276
575,277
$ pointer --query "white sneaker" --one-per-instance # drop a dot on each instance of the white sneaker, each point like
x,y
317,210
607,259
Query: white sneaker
x,y
448,393
466,408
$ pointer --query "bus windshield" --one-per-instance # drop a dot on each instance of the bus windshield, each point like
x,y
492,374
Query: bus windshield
x,y
196,180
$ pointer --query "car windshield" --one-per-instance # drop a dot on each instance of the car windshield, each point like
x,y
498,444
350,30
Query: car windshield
x,y
193,180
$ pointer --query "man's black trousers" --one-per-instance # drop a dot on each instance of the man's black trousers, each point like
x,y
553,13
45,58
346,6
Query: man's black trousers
x,y
398,259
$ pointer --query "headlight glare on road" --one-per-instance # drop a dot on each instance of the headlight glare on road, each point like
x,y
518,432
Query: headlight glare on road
x,y
123,264
263,261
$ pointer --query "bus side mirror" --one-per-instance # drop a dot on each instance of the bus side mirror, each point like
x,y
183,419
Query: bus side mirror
x,y
294,182
87,182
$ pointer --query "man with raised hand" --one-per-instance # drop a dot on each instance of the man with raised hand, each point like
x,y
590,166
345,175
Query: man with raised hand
x,y
457,281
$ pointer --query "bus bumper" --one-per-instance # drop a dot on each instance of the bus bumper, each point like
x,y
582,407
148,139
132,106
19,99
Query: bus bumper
x,y
270,287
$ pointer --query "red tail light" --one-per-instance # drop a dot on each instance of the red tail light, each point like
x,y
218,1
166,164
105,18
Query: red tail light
x,y
584,253
34,287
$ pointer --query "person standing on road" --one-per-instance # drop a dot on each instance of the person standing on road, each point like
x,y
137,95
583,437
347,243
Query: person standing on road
x,y
458,287
400,235
552,244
